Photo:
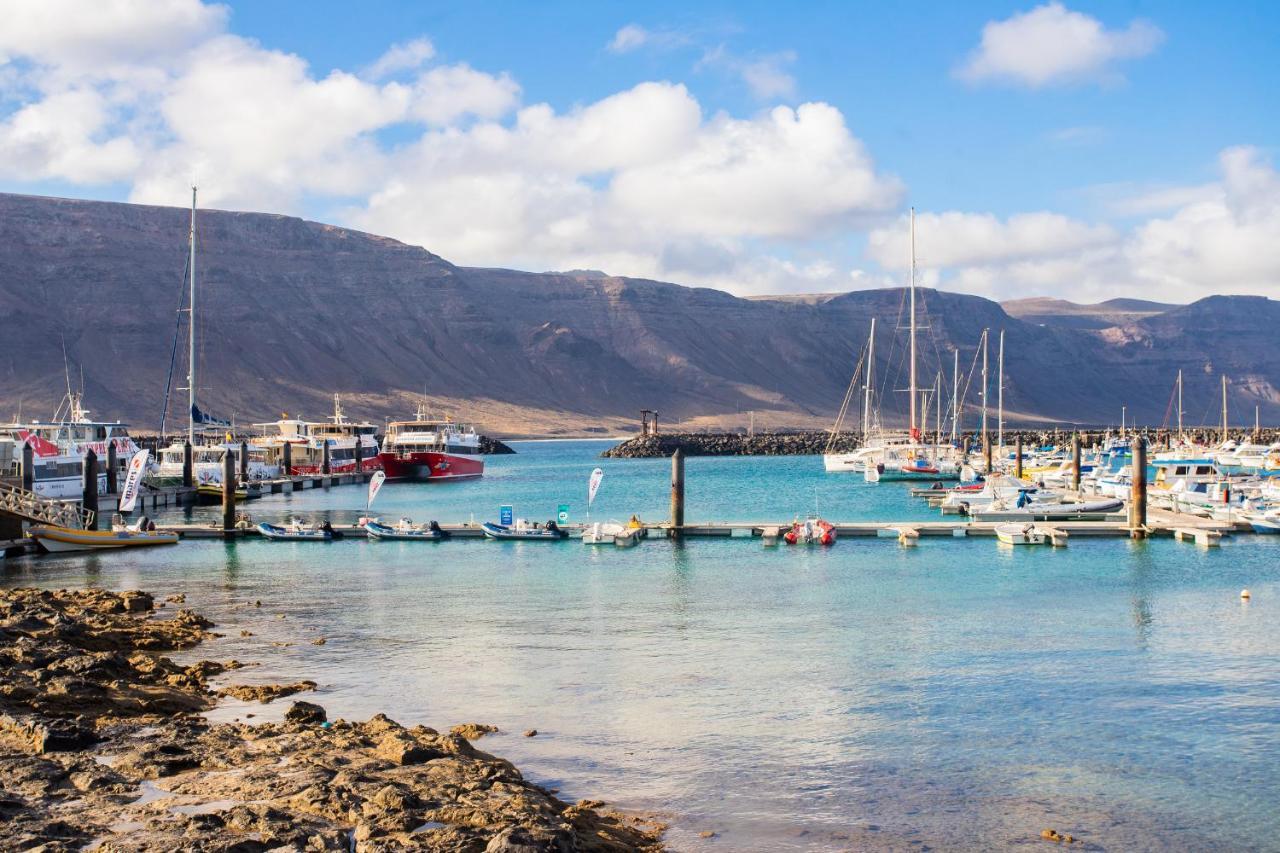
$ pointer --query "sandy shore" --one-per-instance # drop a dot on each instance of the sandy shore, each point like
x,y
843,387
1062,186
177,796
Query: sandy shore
x,y
104,746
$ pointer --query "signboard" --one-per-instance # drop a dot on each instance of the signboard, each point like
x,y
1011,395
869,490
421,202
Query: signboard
x,y
505,515
593,486
375,484
562,514
133,481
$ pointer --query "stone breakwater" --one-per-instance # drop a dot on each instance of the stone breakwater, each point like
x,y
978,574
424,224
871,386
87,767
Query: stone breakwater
x,y
816,443
103,747
493,447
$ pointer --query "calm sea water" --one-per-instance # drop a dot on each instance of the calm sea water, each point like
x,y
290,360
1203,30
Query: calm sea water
x,y
957,695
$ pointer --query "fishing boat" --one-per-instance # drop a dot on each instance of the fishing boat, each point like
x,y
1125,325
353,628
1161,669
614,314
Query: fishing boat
x,y
811,531
58,539
602,533
431,449
404,530
523,530
299,531
1019,534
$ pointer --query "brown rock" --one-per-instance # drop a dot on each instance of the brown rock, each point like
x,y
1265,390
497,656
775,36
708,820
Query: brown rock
x,y
305,712
531,733
265,692
473,731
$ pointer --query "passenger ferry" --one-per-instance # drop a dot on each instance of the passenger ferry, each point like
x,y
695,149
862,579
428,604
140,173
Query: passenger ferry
x,y
306,440
431,449
59,447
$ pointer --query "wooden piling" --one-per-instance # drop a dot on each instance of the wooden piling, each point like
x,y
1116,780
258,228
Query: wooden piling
x,y
90,497
244,462
1017,458
188,466
113,468
1138,495
228,494
359,455
1075,461
986,455
28,467
288,460
325,465
677,492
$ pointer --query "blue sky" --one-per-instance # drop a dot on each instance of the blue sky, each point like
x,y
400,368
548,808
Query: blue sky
x,y
1088,149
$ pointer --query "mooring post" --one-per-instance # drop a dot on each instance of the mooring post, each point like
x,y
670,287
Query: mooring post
x,y
359,455
986,454
1017,458
228,493
244,462
288,460
964,448
28,468
112,468
1138,497
90,498
677,492
324,463
1075,461
187,465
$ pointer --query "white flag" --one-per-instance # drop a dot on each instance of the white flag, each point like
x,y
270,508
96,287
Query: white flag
x,y
375,484
133,480
593,485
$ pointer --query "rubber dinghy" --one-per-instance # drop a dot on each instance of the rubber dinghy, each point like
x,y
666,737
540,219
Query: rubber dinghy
x,y
812,531
296,531
405,531
1066,510
549,532
53,538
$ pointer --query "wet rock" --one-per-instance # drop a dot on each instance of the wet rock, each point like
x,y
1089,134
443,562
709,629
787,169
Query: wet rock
x,y
472,731
707,833
319,641
305,713
531,733
265,692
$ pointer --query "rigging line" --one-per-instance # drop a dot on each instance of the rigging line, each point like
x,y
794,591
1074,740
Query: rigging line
x,y
885,378
844,406
973,369
177,330
1168,409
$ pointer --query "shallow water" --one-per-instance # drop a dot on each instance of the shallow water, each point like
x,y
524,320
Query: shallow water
x,y
958,694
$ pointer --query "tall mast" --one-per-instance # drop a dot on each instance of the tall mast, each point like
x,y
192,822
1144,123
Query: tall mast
x,y
1224,407
1180,406
984,384
191,328
914,428
1000,395
955,394
937,414
871,363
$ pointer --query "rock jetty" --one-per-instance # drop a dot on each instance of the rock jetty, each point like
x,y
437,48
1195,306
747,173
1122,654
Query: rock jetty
x,y
103,747
493,447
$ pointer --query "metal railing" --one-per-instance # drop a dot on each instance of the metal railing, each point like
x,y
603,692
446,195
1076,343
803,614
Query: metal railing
x,y
31,506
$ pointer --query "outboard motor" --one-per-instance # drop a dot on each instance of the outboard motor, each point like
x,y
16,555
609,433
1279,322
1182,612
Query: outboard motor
x,y
434,527
553,527
328,528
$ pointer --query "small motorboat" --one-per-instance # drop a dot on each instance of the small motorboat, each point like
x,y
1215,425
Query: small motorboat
x,y
299,531
629,536
54,538
523,530
1264,522
811,531
1019,534
601,533
404,530
210,494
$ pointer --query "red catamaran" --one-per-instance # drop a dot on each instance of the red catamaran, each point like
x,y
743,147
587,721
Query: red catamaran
x,y
430,449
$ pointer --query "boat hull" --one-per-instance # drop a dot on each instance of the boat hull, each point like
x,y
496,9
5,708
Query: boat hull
x,y
431,466
59,539
542,534
285,534
383,531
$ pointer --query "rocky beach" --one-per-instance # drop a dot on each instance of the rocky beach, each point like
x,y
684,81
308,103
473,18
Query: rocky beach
x,y
104,746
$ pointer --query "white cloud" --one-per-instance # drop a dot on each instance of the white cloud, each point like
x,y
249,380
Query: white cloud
x,y
633,37
407,56
443,95
957,239
766,76
1052,44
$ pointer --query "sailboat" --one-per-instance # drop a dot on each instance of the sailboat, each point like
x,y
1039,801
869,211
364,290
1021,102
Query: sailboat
x,y
895,457
207,454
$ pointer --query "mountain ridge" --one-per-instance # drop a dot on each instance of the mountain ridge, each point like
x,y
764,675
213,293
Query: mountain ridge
x,y
291,312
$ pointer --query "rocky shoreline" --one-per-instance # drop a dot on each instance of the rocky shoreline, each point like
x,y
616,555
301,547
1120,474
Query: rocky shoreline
x,y
814,443
103,746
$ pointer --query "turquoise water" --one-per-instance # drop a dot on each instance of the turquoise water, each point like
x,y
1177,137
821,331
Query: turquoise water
x,y
956,695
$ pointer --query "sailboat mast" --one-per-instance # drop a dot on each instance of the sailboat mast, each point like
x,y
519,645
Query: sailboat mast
x,y
984,385
937,413
914,428
191,328
1000,394
955,394
1224,407
871,363
1180,437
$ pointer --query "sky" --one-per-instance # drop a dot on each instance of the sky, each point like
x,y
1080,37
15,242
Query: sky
x,y
1085,150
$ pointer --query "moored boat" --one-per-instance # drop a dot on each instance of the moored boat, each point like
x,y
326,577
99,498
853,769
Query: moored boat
x,y
602,533
522,530
1019,534
811,531
430,449
58,539
404,530
298,531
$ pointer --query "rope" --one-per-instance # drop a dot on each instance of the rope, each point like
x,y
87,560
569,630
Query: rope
x,y
177,330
